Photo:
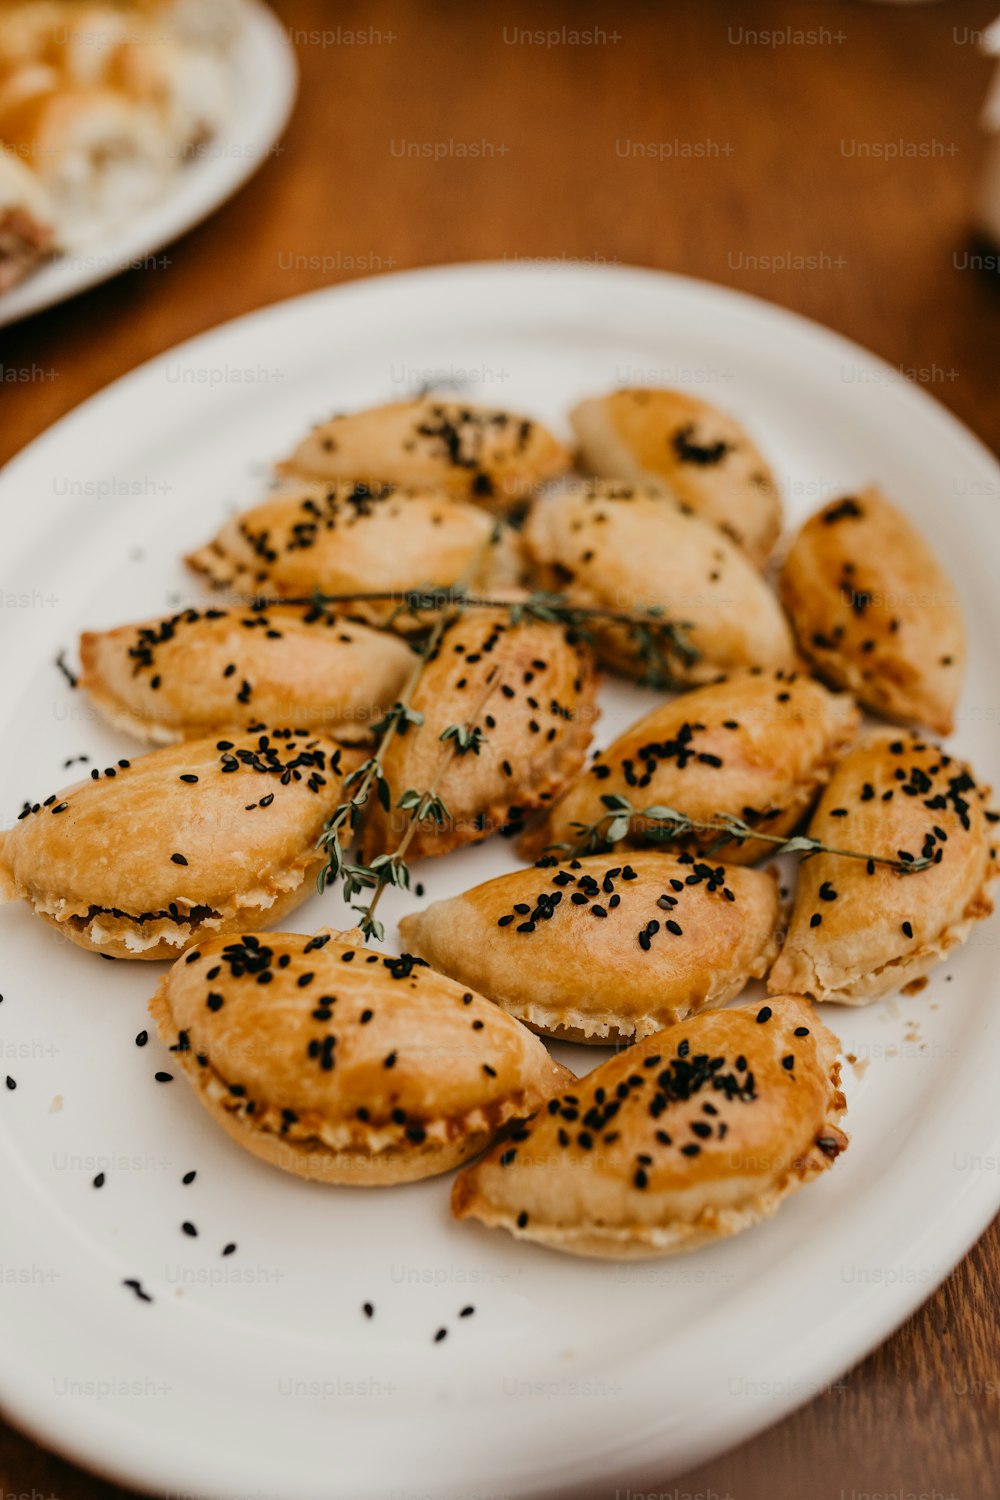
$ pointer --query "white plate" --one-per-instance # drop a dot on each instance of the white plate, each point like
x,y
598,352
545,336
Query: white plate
x,y
265,78
257,1375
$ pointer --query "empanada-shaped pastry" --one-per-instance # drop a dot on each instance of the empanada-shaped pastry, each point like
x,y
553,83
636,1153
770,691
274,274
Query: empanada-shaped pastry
x,y
202,671
348,539
529,689
875,612
861,930
758,747
630,547
601,950
494,457
344,1065
705,458
183,842
689,1136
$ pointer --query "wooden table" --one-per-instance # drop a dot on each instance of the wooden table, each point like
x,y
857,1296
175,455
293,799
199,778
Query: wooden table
x,y
879,249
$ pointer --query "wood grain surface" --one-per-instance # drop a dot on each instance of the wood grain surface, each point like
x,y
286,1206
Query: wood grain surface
x,y
589,157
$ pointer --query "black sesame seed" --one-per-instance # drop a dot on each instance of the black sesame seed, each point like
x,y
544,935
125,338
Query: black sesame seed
x,y
142,1039
189,1229
764,1014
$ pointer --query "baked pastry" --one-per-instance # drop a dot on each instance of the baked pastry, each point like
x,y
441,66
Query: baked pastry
x,y
98,154
630,547
704,458
27,234
875,612
120,48
349,539
345,1065
182,843
201,671
604,949
859,930
494,457
757,746
529,689
690,1136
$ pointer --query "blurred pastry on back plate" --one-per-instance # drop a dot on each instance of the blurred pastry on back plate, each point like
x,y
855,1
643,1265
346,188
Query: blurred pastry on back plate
x,y
27,232
704,458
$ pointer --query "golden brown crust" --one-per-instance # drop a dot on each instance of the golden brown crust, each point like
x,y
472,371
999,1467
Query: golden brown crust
x,y
348,539
530,689
632,547
689,1136
344,1065
607,948
859,931
139,860
495,458
757,746
708,461
202,671
875,612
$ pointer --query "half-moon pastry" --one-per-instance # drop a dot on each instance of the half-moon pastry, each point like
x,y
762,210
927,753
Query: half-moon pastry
x,y
27,232
633,548
757,746
605,949
690,1136
344,1065
179,844
202,671
875,612
350,539
529,691
708,461
859,929
494,457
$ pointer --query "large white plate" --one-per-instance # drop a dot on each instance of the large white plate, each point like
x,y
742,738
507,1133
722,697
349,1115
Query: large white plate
x,y
257,1375
265,81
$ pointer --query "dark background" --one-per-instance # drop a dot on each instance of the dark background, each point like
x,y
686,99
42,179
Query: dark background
x,y
884,246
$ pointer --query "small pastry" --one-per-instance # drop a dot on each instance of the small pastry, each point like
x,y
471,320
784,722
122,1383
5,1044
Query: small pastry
x,y
350,539
526,694
604,949
343,1065
27,234
757,746
690,1136
859,929
151,854
97,154
630,547
704,458
201,671
493,457
875,612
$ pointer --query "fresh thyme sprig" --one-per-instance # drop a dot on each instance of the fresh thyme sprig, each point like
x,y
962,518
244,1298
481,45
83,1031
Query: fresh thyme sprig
x,y
423,807
669,825
661,645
